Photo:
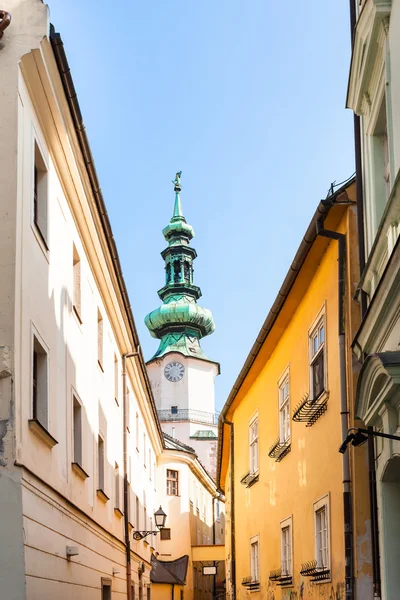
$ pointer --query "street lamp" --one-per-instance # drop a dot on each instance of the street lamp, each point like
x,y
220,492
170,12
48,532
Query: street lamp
x,y
361,436
160,518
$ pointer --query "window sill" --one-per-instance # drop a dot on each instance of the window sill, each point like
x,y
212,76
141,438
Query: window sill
x,y
118,512
37,428
250,478
76,467
102,496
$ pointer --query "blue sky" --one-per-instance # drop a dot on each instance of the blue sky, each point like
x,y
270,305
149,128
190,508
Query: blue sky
x,y
247,99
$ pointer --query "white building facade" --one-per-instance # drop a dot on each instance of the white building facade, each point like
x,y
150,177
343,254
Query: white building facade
x,y
72,442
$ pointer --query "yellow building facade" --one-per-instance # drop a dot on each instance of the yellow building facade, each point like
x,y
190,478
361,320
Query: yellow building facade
x,y
283,423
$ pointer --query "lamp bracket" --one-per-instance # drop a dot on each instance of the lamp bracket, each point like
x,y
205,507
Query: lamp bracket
x,y
139,535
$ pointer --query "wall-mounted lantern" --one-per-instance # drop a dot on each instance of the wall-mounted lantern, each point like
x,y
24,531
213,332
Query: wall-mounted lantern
x,y
160,518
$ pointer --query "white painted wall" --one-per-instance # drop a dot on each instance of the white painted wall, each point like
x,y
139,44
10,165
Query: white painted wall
x,y
44,505
195,391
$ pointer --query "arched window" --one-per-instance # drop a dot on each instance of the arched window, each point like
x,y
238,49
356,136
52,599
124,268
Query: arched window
x,y
177,271
186,272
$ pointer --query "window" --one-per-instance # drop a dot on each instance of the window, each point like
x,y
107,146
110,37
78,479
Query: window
x,y
76,293
148,593
172,482
217,511
117,487
100,463
165,533
150,464
116,379
128,410
321,526
105,589
137,432
174,410
144,511
144,449
77,431
137,513
254,560
40,179
133,591
284,409
317,359
322,535
100,340
40,394
380,150
286,547
253,441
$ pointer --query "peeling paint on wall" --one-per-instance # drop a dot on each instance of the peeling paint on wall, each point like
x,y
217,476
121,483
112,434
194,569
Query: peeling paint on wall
x,y
3,433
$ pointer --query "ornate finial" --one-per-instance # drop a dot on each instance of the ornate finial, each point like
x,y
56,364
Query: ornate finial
x,y
177,182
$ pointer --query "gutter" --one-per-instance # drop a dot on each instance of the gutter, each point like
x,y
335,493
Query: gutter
x,y
299,259
359,175
70,93
344,411
125,467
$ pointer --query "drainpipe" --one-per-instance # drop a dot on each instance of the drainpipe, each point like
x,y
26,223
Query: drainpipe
x,y
125,467
344,413
233,542
359,179
376,568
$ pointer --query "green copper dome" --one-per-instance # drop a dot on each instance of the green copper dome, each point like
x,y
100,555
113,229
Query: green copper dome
x,y
179,323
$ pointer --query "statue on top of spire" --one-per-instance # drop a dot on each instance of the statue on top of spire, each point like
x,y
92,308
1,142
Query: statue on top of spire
x,y
177,182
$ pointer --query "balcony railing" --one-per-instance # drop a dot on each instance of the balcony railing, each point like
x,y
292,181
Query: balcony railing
x,y
188,414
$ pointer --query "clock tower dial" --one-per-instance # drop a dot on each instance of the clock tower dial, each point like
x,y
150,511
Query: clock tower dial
x,y
174,371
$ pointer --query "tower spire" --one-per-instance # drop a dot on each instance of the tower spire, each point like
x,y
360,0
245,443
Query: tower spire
x,y
179,323
177,189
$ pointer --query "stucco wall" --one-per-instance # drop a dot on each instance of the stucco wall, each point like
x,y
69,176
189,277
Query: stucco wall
x,y
313,467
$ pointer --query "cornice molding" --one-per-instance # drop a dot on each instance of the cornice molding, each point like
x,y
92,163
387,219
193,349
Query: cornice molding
x,y
371,30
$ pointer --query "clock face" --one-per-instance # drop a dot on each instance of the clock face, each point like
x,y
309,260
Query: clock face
x,y
174,371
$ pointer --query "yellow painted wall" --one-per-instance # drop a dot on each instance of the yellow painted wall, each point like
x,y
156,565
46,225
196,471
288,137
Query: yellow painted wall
x,y
313,468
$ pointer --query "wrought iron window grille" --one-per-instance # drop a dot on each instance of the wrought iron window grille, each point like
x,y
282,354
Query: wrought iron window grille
x,y
250,583
250,479
279,449
311,569
274,575
309,411
280,578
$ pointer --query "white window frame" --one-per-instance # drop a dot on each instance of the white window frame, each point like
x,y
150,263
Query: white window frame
x,y
77,431
318,505
255,564
172,482
318,324
36,336
284,406
286,525
76,283
41,230
253,445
